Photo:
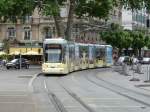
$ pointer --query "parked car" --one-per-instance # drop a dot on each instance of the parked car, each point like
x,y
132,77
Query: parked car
x,y
15,63
145,60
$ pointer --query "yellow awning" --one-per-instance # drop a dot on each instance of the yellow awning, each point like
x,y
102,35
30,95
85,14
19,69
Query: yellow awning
x,y
31,53
2,53
15,53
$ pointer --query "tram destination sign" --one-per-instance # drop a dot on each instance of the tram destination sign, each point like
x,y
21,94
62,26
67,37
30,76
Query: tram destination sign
x,y
53,46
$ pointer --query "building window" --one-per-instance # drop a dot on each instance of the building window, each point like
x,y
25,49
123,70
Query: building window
x,y
11,32
47,32
27,33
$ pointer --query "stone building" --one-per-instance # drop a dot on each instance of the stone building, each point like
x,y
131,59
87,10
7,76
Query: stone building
x,y
26,36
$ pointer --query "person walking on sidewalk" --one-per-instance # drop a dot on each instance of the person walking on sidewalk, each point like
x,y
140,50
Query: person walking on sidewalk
x,y
132,62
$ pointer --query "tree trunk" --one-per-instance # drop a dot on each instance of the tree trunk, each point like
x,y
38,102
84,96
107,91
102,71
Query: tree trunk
x,y
59,25
139,52
70,20
120,52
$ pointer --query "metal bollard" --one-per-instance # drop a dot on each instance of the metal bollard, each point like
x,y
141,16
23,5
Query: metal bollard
x,y
133,77
125,69
139,69
147,74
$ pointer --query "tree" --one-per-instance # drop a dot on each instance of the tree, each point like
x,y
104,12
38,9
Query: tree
x,y
6,45
52,8
133,4
139,41
81,8
99,9
117,37
14,9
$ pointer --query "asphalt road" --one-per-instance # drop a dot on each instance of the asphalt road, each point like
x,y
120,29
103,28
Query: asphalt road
x,y
85,91
95,90
14,93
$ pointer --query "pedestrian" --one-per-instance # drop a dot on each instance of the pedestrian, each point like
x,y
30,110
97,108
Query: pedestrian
x,y
132,62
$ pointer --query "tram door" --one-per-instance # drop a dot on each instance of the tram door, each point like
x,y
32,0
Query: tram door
x,y
109,60
83,53
71,57
91,56
77,57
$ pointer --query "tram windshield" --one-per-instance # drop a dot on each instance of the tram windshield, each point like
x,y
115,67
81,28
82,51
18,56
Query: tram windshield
x,y
53,53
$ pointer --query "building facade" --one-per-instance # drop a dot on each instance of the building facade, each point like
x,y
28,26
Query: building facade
x,y
27,34
135,20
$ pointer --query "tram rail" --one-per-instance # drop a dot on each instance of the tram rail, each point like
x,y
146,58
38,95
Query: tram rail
x,y
53,98
56,101
128,93
72,94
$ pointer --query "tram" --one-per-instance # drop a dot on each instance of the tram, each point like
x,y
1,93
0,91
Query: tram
x,y
62,57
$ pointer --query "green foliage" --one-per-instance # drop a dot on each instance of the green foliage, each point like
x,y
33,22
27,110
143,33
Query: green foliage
x,y
139,39
14,9
5,57
6,45
133,4
119,38
148,43
94,8
51,7
125,39
147,5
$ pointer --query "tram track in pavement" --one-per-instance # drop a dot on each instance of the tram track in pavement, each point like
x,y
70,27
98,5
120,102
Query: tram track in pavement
x,y
72,94
53,98
128,93
57,102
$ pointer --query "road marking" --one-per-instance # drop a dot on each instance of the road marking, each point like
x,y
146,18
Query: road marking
x,y
17,103
30,86
72,106
13,95
105,106
119,107
45,86
103,98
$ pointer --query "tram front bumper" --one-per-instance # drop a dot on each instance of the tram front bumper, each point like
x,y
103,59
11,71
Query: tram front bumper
x,y
54,71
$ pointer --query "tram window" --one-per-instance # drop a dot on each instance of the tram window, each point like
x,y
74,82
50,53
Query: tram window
x,y
83,50
63,54
53,56
71,52
102,53
97,54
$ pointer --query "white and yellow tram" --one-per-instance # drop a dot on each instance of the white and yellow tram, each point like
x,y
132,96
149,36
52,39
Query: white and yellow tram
x,y
63,57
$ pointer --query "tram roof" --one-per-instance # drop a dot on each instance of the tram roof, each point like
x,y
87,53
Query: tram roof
x,y
55,40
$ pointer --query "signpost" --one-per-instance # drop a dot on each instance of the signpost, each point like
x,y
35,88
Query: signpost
x,y
20,59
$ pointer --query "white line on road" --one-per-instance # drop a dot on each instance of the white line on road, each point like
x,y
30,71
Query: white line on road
x,y
119,106
45,86
30,86
84,98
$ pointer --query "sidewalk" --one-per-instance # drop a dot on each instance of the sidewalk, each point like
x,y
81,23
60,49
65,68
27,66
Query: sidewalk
x,y
124,80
